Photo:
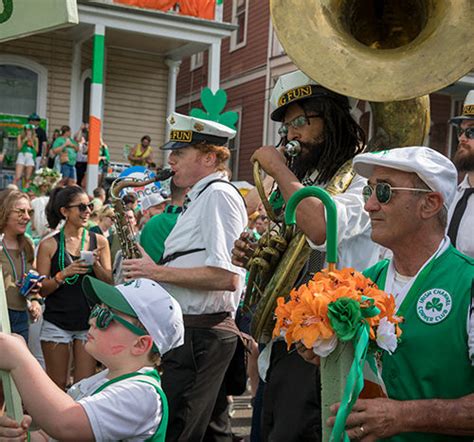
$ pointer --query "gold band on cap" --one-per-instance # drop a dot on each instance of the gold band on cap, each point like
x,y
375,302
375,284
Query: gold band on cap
x,y
295,94
185,136
468,110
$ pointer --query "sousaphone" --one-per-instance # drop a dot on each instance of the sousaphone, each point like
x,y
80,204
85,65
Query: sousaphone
x,y
391,53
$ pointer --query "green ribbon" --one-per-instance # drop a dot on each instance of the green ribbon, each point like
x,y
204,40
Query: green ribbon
x,y
355,379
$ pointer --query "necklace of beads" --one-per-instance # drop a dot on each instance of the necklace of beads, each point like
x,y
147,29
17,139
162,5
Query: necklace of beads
x,y
18,280
62,246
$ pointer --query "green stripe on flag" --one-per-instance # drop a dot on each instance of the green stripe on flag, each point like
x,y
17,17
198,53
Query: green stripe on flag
x,y
98,59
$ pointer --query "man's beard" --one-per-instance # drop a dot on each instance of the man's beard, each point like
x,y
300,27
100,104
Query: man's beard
x,y
308,159
464,158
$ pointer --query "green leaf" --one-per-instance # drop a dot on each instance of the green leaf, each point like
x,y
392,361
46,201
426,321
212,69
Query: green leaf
x,y
214,104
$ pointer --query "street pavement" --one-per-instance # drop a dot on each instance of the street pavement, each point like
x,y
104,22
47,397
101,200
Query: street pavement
x,y
242,417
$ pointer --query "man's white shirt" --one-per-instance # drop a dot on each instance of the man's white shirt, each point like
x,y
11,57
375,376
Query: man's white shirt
x,y
465,237
355,248
212,221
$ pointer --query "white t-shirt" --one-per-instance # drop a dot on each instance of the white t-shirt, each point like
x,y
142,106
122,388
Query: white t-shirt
x,y
39,215
212,221
465,236
127,410
355,248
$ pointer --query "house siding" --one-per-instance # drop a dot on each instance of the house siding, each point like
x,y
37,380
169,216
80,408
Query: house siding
x,y
53,51
135,100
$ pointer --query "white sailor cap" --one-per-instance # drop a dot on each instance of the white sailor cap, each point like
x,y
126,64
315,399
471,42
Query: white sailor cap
x,y
434,169
186,131
298,86
467,110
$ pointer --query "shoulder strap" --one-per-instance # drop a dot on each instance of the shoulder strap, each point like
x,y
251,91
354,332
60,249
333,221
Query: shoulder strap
x,y
219,180
151,377
92,240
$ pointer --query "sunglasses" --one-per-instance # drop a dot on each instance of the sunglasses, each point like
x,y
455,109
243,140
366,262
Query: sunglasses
x,y
23,213
104,317
297,122
384,191
468,132
83,207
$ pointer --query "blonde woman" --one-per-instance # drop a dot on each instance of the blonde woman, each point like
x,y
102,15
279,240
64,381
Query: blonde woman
x,y
27,143
16,258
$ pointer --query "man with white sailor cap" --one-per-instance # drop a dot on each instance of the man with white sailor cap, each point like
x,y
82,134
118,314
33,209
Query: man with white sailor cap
x,y
461,215
198,272
320,121
430,376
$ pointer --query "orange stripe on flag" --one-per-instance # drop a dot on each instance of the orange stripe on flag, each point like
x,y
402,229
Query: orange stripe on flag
x,y
94,140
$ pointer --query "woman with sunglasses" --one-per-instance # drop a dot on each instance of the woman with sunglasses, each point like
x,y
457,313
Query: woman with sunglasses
x,y
16,259
59,257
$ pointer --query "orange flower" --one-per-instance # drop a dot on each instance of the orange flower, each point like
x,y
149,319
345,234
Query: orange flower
x,y
304,316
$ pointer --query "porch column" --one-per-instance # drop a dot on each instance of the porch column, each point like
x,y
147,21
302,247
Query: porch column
x,y
173,70
74,117
214,66
95,123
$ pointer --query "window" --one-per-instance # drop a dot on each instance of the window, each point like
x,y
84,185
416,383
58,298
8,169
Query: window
x,y
238,38
277,48
234,147
197,61
18,89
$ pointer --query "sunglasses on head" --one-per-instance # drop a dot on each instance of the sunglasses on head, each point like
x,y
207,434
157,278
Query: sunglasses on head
x,y
468,132
300,121
384,191
83,207
104,317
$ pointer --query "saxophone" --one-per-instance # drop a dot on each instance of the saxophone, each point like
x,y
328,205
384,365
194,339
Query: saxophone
x,y
125,234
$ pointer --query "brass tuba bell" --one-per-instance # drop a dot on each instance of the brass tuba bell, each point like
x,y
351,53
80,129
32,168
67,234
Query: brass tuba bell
x,y
388,52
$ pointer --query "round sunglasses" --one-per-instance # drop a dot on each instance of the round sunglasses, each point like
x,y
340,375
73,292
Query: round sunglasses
x,y
384,191
104,317
468,132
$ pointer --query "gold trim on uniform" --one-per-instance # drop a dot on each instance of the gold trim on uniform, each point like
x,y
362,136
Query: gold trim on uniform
x,y
185,136
295,94
468,109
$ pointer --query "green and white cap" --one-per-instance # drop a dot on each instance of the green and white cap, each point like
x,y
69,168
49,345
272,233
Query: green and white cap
x,y
467,110
186,131
145,300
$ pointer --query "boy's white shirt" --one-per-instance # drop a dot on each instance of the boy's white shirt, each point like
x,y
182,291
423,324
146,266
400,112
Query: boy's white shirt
x,y
126,410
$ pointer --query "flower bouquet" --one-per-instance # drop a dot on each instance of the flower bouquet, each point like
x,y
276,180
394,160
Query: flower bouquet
x,y
332,307
343,317
46,179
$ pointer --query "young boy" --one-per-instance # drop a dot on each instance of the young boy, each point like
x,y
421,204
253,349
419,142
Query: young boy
x,y
131,325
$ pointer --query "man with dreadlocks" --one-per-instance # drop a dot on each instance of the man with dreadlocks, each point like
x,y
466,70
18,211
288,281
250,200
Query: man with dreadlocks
x,y
320,121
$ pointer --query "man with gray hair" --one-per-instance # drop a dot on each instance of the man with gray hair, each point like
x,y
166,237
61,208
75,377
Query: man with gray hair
x,y
430,377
